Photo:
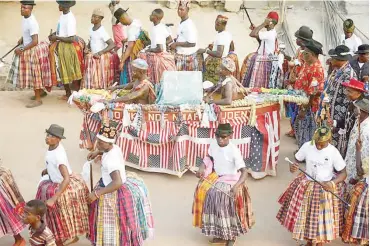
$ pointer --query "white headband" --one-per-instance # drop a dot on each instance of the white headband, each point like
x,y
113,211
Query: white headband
x,y
105,139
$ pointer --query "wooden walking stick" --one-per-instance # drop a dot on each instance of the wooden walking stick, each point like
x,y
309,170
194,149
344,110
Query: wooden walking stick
x,y
341,199
91,177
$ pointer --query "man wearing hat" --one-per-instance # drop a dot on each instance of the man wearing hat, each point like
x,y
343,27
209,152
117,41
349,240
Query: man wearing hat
x,y
360,63
342,73
257,69
141,89
231,89
218,50
31,65
64,193
119,30
354,91
303,34
310,80
358,142
350,39
137,39
101,65
67,63
114,215
216,212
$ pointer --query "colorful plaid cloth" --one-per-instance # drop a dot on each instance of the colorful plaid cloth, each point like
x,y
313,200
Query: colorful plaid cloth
x,y
100,73
158,63
247,68
31,69
69,216
212,65
193,62
10,222
356,229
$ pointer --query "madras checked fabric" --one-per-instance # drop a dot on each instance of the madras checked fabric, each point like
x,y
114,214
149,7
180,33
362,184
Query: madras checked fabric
x,y
247,68
261,72
356,228
309,212
31,69
100,73
212,65
158,63
10,222
68,218
193,62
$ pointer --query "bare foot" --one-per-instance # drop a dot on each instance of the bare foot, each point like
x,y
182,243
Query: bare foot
x,y
63,98
217,241
43,94
34,104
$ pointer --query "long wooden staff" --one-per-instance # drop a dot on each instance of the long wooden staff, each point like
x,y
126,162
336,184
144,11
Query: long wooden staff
x,y
341,199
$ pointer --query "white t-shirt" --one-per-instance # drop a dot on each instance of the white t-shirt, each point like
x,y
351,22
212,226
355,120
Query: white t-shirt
x,y
113,161
320,164
30,27
352,43
67,25
158,35
133,30
227,160
268,39
223,38
187,32
98,39
55,158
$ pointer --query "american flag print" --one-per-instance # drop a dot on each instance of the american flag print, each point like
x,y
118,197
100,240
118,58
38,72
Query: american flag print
x,y
168,148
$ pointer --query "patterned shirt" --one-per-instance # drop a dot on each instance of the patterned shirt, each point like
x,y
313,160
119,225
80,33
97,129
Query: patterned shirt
x,y
307,74
42,236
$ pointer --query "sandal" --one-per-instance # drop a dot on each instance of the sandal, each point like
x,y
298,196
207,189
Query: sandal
x,y
290,134
63,98
217,241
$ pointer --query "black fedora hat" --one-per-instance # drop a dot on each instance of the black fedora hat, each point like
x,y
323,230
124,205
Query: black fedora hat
x,y
66,3
224,129
362,49
341,53
32,3
118,13
304,33
314,46
56,131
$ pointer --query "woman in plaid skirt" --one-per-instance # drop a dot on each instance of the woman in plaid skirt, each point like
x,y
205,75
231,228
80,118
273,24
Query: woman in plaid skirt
x,y
307,210
222,206
120,210
64,193
10,197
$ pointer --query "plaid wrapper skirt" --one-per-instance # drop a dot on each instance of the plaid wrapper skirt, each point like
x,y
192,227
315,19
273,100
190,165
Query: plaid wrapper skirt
x,y
309,212
217,214
212,65
356,228
66,61
10,222
68,218
31,69
123,217
247,68
101,73
158,63
305,128
193,62
257,71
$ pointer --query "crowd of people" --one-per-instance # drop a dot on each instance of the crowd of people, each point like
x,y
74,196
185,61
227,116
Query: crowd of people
x,y
327,201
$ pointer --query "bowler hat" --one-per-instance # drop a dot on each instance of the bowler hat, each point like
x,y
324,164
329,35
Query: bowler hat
x,y
28,3
56,131
362,49
314,46
224,129
341,53
363,104
66,3
304,33
355,84
118,13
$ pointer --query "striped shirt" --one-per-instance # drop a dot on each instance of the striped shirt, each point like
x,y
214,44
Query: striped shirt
x,y
42,236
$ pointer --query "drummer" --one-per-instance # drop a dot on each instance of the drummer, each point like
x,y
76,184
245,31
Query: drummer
x,y
231,89
141,89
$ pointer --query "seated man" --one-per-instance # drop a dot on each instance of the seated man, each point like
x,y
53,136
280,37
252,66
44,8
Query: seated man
x,y
231,89
141,89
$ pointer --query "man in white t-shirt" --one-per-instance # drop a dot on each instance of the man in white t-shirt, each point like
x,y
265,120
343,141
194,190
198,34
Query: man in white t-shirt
x,y
225,168
116,188
221,47
350,39
69,72
36,75
157,57
101,65
267,39
309,199
185,45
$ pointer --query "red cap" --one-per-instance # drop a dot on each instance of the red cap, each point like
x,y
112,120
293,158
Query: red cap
x,y
273,15
355,84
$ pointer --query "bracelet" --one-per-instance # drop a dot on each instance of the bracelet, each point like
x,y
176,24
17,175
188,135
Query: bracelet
x,y
96,194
